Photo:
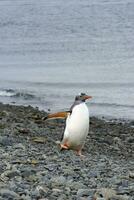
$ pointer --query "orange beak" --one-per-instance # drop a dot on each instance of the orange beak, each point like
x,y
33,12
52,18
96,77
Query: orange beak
x,y
87,97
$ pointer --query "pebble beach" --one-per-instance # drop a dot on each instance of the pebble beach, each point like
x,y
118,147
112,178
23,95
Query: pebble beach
x,y
32,167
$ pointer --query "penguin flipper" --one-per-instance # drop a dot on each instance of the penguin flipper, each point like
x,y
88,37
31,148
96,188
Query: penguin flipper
x,y
58,115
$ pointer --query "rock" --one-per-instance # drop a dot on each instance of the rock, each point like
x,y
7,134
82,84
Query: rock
x,y
62,197
12,173
28,171
58,181
84,193
57,192
8,194
43,190
35,194
6,141
25,197
19,146
93,174
108,194
76,185
41,171
67,191
131,175
124,183
43,199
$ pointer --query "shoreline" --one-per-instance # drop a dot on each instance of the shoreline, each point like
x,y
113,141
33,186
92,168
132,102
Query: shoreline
x,y
103,117
33,167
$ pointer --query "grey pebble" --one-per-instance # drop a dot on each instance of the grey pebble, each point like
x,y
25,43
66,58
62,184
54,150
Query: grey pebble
x,y
8,194
6,141
19,146
131,175
12,173
35,194
28,171
85,192
58,180
41,171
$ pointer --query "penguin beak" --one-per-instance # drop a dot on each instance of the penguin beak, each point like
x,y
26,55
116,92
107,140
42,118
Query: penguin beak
x,y
87,97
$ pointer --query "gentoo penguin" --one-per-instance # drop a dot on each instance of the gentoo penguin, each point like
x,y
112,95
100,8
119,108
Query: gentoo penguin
x,y
77,124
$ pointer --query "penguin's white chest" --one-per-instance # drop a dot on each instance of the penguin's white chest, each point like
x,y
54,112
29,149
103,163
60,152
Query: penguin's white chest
x,y
77,126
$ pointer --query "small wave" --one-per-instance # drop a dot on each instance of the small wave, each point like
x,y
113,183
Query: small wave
x,y
16,94
25,96
7,93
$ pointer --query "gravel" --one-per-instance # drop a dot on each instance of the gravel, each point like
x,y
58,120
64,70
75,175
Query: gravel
x,y
32,167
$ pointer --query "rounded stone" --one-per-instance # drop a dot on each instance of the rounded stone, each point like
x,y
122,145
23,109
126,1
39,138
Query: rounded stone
x,y
8,194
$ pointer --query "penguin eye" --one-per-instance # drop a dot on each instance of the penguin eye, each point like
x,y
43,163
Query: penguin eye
x,y
100,195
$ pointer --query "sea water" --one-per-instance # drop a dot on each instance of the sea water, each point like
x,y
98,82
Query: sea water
x,y
51,51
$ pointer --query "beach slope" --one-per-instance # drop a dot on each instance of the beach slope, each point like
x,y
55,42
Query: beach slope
x,y
33,167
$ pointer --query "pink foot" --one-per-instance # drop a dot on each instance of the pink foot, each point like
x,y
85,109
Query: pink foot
x,y
78,152
63,146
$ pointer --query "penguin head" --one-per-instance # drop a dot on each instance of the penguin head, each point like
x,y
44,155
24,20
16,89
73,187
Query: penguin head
x,y
82,97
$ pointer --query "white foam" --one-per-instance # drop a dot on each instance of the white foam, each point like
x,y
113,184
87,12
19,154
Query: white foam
x,y
6,93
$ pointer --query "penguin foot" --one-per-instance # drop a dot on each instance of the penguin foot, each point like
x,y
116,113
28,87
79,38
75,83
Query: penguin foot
x,y
63,146
78,152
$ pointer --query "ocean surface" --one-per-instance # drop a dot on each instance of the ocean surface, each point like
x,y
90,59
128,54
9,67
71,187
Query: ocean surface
x,y
51,50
